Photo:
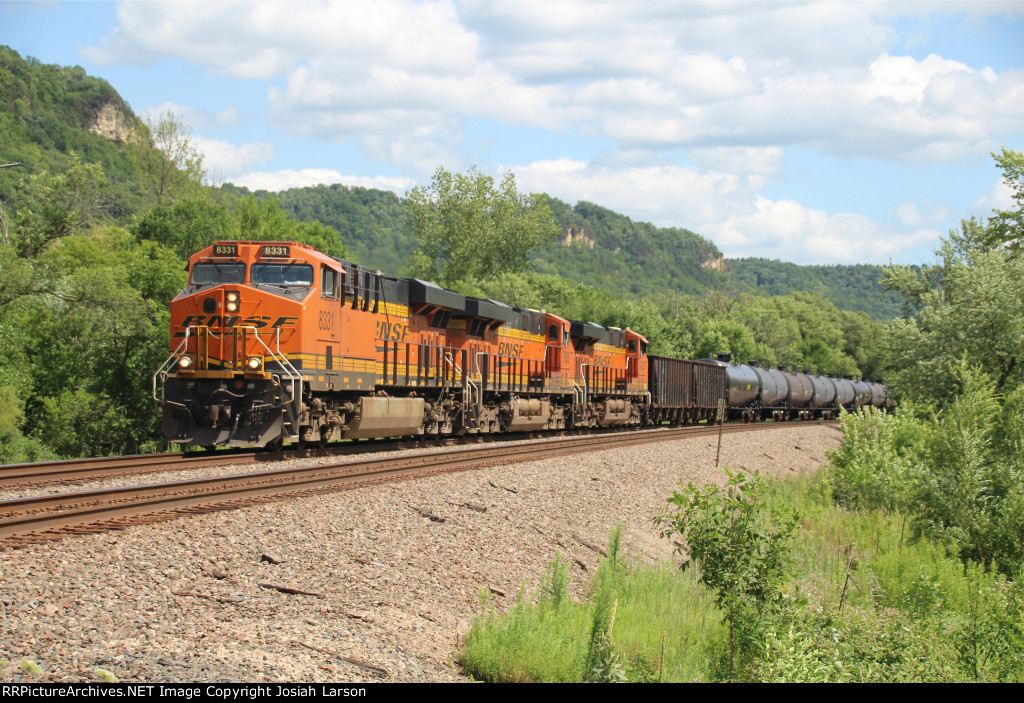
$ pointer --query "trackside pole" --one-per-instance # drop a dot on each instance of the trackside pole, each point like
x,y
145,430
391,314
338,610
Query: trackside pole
x,y
720,418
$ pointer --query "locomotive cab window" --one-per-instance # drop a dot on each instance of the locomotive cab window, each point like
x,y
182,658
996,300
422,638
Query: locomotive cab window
x,y
632,346
205,274
282,274
328,282
553,333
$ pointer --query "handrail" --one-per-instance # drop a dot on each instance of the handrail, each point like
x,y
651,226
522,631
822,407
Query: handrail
x,y
278,356
175,355
474,388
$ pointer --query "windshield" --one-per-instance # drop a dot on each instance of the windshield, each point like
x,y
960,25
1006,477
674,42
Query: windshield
x,y
207,273
282,274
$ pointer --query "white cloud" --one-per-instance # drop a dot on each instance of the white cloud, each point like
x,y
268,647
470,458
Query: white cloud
x,y
915,215
267,39
738,159
787,230
999,197
727,209
642,75
194,119
665,195
224,160
276,181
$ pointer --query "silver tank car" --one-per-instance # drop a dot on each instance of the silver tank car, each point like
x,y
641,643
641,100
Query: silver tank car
x,y
774,388
862,393
801,391
742,388
879,395
845,394
823,392
825,396
744,385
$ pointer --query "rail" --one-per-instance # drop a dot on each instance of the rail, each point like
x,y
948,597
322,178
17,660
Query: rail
x,y
53,516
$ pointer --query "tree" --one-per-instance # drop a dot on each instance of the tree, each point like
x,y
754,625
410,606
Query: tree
x,y
57,205
967,306
95,338
1006,227
740,544
469,229
171,159
264,220
186,226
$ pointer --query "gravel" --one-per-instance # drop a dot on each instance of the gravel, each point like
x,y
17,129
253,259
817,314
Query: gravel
x,y
364,583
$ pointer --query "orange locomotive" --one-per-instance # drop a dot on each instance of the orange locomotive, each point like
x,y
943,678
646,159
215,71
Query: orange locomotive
x,y
275,342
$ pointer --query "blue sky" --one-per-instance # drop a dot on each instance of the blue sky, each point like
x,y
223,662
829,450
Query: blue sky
x,y
813,132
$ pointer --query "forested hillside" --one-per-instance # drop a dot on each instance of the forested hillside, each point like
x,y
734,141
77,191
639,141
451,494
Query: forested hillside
x,y
48,112
858,288
597,247
609,251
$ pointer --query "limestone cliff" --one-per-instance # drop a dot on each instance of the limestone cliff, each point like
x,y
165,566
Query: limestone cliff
x,y
111,124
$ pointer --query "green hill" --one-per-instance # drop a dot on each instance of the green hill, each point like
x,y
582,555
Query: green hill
x,y
47,112
857,288
609,251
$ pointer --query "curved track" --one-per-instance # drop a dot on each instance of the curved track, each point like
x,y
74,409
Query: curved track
x,y
40,518
79,470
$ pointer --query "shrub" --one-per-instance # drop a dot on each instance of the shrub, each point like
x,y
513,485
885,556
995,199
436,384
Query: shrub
x,y
740,544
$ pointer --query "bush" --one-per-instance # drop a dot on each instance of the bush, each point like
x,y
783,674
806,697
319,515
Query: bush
x,y
740,543
878,464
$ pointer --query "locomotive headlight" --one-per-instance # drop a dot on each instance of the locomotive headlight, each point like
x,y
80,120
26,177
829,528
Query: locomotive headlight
x,y
185,362
254,363
232,304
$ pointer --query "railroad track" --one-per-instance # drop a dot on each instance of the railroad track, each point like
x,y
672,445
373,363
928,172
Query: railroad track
x,y
79,470
34,519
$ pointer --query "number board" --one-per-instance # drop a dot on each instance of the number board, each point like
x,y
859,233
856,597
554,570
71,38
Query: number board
x,y
225,250
275,250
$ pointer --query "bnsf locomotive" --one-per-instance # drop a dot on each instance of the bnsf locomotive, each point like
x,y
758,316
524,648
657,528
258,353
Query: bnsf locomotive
x,y
275,342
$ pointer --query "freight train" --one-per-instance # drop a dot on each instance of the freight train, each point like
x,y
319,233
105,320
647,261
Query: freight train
x,y
275,342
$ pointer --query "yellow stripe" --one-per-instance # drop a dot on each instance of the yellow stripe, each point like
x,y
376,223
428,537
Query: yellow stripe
x,y
392,309
519,334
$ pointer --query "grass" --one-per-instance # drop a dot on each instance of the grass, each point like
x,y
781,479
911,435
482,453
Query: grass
x,y
865,604
664,624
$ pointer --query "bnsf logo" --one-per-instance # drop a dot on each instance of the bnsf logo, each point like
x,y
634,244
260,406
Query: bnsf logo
x,y
257,321
510,349
392,331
